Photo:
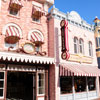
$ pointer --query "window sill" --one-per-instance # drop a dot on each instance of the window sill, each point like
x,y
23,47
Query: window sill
x,y
38,23
41,95
67,94
17,17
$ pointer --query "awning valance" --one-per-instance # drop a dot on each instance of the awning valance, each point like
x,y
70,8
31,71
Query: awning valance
x,y
36,11
78,70
15,4
25,58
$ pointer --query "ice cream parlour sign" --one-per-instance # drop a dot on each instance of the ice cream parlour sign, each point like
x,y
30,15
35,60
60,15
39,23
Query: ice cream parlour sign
x,y
29,48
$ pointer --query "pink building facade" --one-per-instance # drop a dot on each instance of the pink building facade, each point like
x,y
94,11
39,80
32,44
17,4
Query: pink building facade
x,y
25,64
78,77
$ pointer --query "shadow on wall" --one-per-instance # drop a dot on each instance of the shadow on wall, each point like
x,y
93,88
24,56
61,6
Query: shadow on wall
x,y
56,45
57,52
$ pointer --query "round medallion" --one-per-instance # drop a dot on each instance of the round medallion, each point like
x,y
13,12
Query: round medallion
x,y
28,48
62,23
63,55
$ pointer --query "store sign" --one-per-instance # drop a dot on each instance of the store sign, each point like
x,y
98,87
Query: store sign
x,y
28,48
64,40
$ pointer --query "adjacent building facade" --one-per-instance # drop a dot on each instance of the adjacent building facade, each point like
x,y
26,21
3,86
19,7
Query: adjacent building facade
x,y
24,57
97,39
78,77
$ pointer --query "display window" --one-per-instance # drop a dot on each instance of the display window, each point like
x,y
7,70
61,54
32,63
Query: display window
x,y
66,85
91,83
80,84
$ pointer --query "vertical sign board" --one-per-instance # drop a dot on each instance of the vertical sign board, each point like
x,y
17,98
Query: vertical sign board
x,y
64,40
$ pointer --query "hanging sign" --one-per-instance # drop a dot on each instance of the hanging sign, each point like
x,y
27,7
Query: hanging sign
x,y
64,39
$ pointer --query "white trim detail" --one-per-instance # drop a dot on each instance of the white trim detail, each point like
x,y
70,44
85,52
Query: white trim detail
x,y
36,4
11,24
26,58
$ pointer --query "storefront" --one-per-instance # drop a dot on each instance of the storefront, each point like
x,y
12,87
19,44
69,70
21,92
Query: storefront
x,y
78,82
24,77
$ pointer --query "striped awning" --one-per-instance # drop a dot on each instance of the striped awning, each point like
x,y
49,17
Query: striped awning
x,y
78,70
12,34
15,4
36,11
37,37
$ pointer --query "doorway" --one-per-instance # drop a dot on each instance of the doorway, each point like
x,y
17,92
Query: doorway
x,y
21,86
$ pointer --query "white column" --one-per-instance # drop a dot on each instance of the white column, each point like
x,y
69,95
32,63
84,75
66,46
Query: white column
x,y
73,88
97,85
87,88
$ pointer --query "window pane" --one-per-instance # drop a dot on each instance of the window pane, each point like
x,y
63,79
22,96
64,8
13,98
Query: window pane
x,y
41,80
81,48
66,85
41,90
90,49
75,45
97,42
75,48
1,75
1,84
13,11
91,83
1,92
80,84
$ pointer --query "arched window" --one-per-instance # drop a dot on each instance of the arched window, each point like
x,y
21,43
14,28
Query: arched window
x,y
13,34
81,46
90,49
75,45
36,37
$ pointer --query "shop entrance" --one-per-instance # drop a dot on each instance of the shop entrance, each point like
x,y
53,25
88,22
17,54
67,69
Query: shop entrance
x,y
21,86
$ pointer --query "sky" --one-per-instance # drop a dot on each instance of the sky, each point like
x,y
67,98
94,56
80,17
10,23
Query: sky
x,y
87,9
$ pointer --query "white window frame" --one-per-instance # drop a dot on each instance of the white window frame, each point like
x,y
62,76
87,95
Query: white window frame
x,y
13,9
76,43
38,85
90,48
3,84
81,45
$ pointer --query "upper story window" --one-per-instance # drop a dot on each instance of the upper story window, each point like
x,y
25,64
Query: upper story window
x,y
81,46
75,45
37,13
90,49
97,42
36,37
14,7
99,31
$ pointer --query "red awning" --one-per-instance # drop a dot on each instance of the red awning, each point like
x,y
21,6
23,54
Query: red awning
x,y
37,11
12,34
37,37
78,70
16,4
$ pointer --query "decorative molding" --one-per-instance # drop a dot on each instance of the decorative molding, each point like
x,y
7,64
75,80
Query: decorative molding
x,y
80,58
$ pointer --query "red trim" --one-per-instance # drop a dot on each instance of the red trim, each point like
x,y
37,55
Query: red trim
x,y
66,40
